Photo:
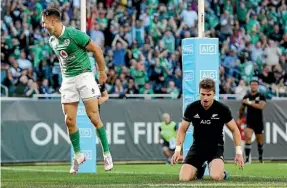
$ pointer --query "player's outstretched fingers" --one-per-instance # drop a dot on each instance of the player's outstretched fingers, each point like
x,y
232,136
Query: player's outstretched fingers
x,y
239,161
174,159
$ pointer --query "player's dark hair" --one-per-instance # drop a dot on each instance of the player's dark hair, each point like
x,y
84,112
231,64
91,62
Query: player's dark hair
x,y
207,83
52,12
253,80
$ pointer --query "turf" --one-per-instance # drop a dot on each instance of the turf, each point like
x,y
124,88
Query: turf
x,y
153,175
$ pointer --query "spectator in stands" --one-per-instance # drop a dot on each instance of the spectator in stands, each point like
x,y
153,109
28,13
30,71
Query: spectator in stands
x,y
31,88
118,88
241,90
272,53
143,38
44,89
171,89
131,88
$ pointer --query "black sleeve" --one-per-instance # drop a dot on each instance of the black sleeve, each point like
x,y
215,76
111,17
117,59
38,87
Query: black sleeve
x,y
159,129
226,114
262,98
245,97
188,113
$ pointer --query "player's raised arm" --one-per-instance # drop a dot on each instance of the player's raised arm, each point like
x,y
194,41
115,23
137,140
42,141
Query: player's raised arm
x,y
260,105
93,47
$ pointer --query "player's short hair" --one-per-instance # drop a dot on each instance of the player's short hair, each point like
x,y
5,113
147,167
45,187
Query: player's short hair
x,y
207,83
254,80
52,12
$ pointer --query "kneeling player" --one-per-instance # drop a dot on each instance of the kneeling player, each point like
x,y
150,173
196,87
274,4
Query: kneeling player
x,y
208,117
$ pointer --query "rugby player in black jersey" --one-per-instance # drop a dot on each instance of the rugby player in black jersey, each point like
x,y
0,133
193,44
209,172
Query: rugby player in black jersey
x,y
255,102
208,117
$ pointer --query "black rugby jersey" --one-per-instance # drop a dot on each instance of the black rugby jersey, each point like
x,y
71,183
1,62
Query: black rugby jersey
x,y
254,115
208,124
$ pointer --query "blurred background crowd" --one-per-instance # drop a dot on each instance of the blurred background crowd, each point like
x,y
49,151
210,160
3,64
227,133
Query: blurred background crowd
x,y
141,40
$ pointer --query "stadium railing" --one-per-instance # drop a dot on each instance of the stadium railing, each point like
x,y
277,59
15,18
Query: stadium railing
x,y
148,96
144,96
5,89
138,96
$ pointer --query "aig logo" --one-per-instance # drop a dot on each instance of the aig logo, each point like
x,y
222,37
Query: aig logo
x,y
81,111
88,154
187,49
208,74
85,132
205,122
207,49
188,76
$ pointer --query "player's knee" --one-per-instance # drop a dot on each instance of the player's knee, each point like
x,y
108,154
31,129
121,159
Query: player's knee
x,y
248,139
70,121
186,178
165,149
187,175
216,176
94,116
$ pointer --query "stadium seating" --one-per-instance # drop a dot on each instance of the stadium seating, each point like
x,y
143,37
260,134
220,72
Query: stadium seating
x,y
141,41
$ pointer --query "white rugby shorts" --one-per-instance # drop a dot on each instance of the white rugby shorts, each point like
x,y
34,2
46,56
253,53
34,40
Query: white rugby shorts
x,y
82,86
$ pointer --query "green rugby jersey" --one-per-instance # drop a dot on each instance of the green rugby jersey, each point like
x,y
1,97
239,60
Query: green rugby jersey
x,y
70,49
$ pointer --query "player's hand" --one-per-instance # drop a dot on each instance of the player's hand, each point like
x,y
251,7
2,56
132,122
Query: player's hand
x,y
175,157
101,100
239,160
102,77
245,101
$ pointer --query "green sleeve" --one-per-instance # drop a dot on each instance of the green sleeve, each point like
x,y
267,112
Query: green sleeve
x,y
80,38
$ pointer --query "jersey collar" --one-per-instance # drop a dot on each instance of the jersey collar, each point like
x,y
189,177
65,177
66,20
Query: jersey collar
x,y
63,30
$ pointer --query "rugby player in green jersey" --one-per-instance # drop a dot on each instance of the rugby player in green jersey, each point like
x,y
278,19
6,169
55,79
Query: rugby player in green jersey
x,y
72,47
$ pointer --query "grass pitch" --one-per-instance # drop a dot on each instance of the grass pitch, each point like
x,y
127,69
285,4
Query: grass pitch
x,y
137,175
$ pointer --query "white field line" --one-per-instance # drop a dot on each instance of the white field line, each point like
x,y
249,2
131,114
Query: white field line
x,y
120,172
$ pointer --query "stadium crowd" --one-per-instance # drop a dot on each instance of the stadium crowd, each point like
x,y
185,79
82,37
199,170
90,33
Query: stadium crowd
x,y
141,40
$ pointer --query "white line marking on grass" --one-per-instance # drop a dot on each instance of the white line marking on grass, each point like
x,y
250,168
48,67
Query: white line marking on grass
x,y
208,185
120,172
193,184
31,169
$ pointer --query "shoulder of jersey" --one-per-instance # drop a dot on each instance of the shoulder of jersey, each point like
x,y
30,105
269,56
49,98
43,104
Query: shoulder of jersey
x,y
72,30
221,104
247,94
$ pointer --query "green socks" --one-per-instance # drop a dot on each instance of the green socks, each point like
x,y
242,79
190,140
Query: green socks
x,y
103,137
75,139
